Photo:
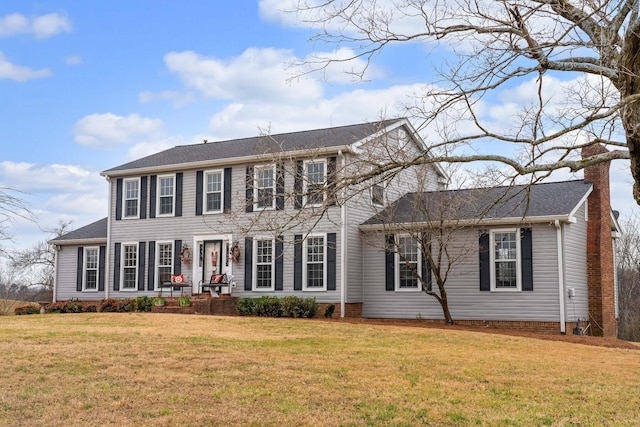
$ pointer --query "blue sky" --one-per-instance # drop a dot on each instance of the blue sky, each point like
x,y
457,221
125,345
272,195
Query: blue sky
x,y
88,85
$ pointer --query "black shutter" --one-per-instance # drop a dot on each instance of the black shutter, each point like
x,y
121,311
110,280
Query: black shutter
x,y
199,192
79,268
248,263
178,194
297,262
485,267
389,263
118,199
249,190
297,184
142,249
102,267
426,267
143,197
226,208
151,272
177,262
279,264
116,267
331,261
280,186
331,180
527,259
153,187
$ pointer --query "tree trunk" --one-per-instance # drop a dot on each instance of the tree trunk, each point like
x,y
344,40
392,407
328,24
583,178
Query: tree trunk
x,y
444,303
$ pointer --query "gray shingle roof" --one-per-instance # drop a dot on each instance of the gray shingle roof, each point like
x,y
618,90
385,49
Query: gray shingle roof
x,y
304,140
538,200
94,231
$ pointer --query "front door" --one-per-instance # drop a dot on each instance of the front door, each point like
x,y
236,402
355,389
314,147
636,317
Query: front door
x,y
213,259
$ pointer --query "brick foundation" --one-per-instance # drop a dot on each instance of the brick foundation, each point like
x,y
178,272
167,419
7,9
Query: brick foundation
x,y
600,274
351,310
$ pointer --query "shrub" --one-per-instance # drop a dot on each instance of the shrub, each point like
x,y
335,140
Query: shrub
x,y
109,305
72,306
27,309
328,312
277,307
144,303
56,307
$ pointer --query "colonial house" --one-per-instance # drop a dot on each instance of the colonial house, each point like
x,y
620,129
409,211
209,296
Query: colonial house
x,y
270,215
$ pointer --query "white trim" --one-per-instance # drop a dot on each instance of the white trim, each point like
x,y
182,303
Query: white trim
x,y
157,284
561,290
84,268
160,196
124,198
518,260
122,266
584,198
254,266
343,244
271,166
305,247
205,191
397,260
305,181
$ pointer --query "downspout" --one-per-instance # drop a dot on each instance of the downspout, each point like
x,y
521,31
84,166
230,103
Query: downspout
x,y
343,243
55,275
560,276
107,268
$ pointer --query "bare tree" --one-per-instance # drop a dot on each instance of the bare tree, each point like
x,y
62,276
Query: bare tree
x,y
579,56
627,250
11,207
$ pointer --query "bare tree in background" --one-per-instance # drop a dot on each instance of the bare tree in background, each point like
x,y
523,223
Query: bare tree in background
x,y
578,57
627,251
11,207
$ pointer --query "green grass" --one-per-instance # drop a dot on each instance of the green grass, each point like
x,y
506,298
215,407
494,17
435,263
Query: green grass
x,y
153,369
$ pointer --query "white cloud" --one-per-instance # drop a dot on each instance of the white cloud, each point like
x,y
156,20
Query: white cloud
x,y
179,99
33,178
337,67
146,148
41,27
103,130
257,74
73,60
19,73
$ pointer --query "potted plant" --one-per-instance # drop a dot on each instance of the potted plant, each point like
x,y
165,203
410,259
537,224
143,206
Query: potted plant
x,y
184,301
159,302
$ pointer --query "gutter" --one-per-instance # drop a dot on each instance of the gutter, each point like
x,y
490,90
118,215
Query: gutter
x,y
343,245
560,276
55,276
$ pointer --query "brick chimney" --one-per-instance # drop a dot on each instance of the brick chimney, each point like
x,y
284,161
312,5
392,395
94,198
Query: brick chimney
x,y
600,268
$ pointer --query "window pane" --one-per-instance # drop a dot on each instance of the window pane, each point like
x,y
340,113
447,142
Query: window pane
x,y
166,195
408,263
315,262
131,198
165,262
214,202
214,192
129,267
91,280
315,182
377,194
264,264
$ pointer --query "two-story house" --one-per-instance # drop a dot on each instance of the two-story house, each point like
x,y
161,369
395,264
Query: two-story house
x,y
274,215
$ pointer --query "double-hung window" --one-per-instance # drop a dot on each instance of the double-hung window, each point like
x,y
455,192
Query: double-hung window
x,y
166,193
131,197
314,270
90,273
213,191
377,194
315,182
505,253
408,264
129,267
264,185
264,264
164,251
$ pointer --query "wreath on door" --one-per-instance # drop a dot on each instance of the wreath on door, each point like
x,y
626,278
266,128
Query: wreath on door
x,y
234,252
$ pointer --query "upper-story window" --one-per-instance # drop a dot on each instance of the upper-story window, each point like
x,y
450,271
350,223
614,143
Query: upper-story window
x,y
90,273
131,198
315,181
377,194
166,192
264,186
213,191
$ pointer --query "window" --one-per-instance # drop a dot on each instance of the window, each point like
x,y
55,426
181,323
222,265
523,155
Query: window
x,y
264,184
408,264
90,273
377,194
213,191
264,266
165,194
314,263
129,267
505,268
315,181
165,262
131,197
